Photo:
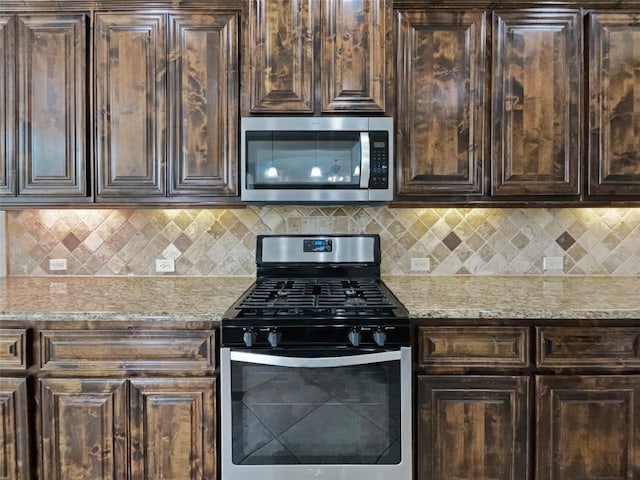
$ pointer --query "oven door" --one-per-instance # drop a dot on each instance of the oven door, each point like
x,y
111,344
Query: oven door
x,y
316,414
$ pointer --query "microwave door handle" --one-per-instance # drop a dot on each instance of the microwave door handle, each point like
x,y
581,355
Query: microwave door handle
x,y
365,160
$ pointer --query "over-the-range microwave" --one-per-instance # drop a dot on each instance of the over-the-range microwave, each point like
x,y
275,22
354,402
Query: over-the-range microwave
x,y
316,159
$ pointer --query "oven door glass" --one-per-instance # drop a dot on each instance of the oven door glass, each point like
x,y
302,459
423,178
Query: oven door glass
x,y
346,410
304,159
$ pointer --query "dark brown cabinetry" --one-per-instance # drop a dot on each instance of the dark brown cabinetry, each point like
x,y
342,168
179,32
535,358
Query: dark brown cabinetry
x,y
137,69
536,95
111,402
440,102
614,135
505,124
43,85
473,426
14,410
308,56
588,427
493,403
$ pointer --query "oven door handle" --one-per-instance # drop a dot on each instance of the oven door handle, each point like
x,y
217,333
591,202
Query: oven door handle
x,y
316,362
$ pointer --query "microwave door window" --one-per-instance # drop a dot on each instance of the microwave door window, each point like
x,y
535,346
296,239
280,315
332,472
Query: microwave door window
x,y
303,159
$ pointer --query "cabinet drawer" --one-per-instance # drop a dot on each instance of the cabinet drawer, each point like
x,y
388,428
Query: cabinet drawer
x,y
609,347
131,351
13,342
473,346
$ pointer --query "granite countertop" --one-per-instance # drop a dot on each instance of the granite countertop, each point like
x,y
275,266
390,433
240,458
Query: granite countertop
x,y
207,298
519,296
117,298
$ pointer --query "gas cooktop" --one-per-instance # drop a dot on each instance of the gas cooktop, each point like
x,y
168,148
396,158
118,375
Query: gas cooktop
x,y
319,289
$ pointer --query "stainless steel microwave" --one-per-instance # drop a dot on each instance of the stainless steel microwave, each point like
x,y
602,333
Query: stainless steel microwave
x,y
316,159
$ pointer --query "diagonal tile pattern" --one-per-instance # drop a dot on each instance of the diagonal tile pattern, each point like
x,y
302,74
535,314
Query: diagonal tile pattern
x,y
222,242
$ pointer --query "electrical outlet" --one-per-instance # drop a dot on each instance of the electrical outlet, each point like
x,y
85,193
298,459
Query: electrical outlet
x,y
56,264
552,263
164,265
420,264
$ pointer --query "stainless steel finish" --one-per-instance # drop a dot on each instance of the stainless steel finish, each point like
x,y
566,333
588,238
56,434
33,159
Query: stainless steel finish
x,y
358,194
365,160
315,362
401,471
283,249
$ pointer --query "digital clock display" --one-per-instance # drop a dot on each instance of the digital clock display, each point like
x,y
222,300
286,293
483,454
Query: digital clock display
x,y
317,245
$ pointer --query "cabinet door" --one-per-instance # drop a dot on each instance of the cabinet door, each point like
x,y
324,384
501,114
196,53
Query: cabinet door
x,y
84,429
7,106
536,103
440,90
130,113
588,427
614,108
203,79
279,39
173,428
473,427
353,54
14,436
51,75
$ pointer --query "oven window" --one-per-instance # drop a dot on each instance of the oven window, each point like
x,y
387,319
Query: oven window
x,y
303,159
338,415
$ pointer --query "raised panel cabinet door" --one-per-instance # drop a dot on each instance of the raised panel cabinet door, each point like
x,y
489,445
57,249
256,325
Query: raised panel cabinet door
x,y
614,104
173,428
536,127
7,106
14,430
440,108
52,105
473,427
130,104
280,39
353,54
203,92
588,427
84,428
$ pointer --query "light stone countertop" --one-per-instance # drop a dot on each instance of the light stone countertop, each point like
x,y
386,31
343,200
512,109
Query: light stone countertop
x,y
207,298
119,298
519,296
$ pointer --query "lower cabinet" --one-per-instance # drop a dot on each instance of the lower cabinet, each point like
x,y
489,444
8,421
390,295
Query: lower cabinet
x,y
123,400
150,428
14,433
533,402
588,427
473,427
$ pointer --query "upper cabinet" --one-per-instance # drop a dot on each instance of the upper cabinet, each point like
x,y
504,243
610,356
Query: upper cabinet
x,y
43,88
310,56
149,149
536,96
440,102
494,105
614,104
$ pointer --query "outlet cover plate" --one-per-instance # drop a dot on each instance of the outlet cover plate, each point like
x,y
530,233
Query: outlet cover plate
x,y
165,265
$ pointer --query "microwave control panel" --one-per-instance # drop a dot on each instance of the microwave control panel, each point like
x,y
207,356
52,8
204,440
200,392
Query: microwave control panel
x,y
379,160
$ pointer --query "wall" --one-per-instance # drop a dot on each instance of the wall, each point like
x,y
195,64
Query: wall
x,y
222,242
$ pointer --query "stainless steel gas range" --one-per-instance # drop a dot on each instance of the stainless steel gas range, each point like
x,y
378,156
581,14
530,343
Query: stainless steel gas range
x,y
316,366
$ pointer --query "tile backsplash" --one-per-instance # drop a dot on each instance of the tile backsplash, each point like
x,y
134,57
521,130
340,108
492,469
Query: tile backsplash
x,y
222,242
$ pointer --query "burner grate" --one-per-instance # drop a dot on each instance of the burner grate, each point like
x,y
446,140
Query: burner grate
x,y
315,296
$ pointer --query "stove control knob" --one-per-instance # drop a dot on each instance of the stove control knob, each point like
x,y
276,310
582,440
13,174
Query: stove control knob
x,y
249,337
274,338
354,337
379,336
